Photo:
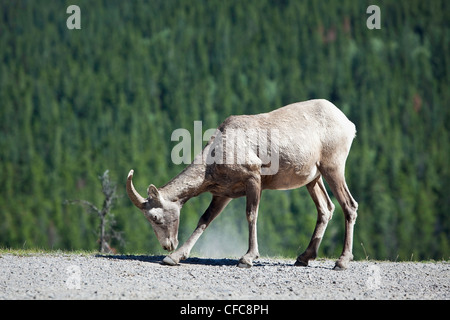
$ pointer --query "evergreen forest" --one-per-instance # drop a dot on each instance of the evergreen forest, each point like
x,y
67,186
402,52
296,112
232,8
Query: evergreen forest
x,y
77,102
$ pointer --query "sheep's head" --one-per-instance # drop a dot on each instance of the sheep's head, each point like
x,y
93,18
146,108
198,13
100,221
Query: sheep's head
x,y
164,216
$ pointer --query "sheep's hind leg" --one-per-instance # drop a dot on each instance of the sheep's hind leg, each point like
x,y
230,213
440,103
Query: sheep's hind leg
x,y
325,210
336,181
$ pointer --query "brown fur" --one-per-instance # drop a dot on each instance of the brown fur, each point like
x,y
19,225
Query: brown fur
x,y
313,141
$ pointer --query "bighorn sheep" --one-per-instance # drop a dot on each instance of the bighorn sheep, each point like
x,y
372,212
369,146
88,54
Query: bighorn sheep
x,y
313,140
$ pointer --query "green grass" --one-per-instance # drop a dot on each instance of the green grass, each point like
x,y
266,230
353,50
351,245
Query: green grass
x,y
39,251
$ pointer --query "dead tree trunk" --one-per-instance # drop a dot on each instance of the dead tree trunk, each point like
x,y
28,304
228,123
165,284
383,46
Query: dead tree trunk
x,y
105,216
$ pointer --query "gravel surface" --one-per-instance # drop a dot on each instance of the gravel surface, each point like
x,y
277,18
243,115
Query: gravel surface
x,y
81,276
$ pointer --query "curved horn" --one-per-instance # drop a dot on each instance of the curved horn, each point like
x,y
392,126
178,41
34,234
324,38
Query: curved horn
x,y
134,196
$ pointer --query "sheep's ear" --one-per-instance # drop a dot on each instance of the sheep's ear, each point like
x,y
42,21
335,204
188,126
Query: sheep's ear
x,y
153,193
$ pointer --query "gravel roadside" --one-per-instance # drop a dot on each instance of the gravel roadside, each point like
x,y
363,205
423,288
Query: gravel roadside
x,y
81,276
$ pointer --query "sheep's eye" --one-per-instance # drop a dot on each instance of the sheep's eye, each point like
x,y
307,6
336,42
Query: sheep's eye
x,y
156,219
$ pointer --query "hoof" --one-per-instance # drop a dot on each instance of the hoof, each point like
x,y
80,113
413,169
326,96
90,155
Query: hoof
x,y
169,261
338,268
299,263
340,265
244,263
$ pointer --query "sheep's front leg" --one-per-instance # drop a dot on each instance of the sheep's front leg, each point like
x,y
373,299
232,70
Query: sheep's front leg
x,y
215,208
253,197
